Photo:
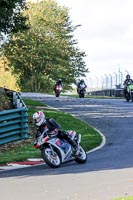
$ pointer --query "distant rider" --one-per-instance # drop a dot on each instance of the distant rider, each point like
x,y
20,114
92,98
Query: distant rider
x,y
128,81
53,129
58,83
81,85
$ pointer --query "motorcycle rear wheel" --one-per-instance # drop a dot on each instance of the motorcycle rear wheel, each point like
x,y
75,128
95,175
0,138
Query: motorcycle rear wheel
x,y
53,161
82,156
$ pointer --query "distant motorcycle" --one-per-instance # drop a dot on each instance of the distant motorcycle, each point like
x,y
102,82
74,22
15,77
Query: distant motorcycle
x,y
58,90
81,90
82,93
129,93
56,151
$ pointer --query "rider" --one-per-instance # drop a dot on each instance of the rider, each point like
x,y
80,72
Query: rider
x,y
128,81
53,129
81,85
58,82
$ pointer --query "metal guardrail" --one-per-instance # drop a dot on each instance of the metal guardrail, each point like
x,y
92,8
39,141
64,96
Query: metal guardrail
x,y
108,92
14,122
17,100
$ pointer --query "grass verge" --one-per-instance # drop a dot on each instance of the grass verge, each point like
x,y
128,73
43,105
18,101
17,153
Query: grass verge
x,y
25,149
124,198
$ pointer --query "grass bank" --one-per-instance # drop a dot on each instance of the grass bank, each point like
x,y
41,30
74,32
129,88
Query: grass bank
x,y
24,150
124,198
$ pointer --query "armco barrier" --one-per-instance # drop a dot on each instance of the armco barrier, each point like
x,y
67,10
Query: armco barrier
x,y
108,92
14,122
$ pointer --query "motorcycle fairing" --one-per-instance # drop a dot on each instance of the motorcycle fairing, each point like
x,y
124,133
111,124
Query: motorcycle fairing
x,y
130,87
58,87
63,146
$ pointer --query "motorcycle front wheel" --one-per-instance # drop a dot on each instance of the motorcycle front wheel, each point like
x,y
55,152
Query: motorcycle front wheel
x,y
127,96
52,158
81,94
82,156
132,96
57,94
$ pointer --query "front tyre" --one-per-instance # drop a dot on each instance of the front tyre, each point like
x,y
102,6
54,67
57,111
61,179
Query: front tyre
x,y
132,96
81,95
127,96
52,158
82,156
57,94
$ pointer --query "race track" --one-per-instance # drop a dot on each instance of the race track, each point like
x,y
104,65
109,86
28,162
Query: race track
x,y
108,172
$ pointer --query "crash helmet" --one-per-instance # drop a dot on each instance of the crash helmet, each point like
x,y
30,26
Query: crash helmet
x,y
39,118
82,80
128,76
59,79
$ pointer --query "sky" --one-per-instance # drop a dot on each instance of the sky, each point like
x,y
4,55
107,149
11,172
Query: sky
x,y
106,34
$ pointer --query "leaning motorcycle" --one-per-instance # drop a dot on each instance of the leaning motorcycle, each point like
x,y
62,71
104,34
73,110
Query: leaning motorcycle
x,y
56,151
58,90
129,93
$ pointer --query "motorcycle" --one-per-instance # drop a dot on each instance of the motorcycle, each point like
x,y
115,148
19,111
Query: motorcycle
x,y
129,93
81,90
56,151
58,90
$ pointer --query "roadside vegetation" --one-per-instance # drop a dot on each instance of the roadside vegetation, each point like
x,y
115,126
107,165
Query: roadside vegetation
x,y
24,150
124,198
47,51
7,78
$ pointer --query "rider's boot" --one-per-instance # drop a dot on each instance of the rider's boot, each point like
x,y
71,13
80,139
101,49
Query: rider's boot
x,y
72,143
74,146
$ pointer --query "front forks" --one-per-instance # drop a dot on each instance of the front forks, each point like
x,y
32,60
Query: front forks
x,y
52,150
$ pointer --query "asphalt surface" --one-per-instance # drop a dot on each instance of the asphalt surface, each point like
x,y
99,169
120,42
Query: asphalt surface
x,y
108,172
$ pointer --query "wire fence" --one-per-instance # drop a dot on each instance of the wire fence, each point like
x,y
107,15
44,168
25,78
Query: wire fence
x,y
107,81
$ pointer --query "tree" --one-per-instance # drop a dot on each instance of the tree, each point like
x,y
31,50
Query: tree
x,y
47,51
7,79
11,18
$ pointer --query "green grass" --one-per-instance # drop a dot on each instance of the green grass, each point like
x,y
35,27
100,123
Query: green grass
x,y
30,102
124,198
90,137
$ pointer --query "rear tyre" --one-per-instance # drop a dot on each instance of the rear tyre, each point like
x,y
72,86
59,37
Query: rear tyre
x,y
82,156
53,161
